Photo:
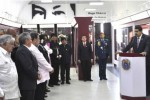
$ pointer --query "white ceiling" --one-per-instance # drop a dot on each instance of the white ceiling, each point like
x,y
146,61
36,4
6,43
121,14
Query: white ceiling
x,y
116,9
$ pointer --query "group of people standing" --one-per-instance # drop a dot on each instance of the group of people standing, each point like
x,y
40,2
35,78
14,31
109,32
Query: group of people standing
x,y
31,65
29,62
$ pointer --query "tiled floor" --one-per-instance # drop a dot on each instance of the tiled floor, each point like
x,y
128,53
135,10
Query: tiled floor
x,y
96,90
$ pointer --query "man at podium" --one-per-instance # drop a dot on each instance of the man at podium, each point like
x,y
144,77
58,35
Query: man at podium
x,y
141,44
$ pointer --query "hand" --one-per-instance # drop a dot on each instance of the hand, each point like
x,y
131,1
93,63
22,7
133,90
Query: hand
x,y
97,58
50,51
39,76
91,60
52,71
143,53
118,53
59,56
79,61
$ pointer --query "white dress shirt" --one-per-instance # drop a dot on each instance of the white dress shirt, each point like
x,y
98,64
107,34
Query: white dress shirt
x,y
8,76
43,66
140,37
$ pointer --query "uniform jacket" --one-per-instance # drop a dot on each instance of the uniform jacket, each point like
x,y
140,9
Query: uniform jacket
x,y
102,48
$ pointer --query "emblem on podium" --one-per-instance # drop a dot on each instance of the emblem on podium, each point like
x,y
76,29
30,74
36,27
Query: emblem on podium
x,y
125,64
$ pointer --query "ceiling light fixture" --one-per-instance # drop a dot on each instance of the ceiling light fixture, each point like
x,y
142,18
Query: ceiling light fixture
x,y
96,3
46,1
90,9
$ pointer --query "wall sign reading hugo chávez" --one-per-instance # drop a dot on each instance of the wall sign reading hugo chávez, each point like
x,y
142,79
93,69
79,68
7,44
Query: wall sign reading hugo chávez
x,y
97,14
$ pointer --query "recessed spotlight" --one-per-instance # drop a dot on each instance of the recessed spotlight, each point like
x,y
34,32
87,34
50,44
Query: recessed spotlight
x,y
46,1
96,3
90,9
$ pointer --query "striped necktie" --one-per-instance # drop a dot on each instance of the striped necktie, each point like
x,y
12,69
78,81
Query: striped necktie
x,y
138,41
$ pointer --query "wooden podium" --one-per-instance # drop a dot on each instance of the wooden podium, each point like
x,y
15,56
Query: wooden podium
x,y
132,76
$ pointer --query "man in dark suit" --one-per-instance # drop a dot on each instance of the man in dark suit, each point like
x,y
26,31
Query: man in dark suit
x,y
55,58
140,44
27,68
102,52
85,58
65,52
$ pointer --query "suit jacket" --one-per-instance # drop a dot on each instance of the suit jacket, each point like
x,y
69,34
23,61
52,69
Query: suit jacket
x,y
44,52
13,54
143,45
55,48
102,48
84,53
27,67
65,52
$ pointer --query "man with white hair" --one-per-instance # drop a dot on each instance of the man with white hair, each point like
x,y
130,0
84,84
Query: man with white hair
x,y
8,74
27,67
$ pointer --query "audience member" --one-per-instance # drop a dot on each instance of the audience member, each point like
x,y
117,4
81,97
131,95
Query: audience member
x,y
8,72
27,67
65,60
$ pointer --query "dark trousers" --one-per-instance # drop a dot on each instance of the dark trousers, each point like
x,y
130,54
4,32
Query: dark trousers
x,y
86,69
65,69
102,68
40,91
54,77
27,94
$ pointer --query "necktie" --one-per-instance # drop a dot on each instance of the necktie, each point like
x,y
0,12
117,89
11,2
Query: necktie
x,y
138,41
84,44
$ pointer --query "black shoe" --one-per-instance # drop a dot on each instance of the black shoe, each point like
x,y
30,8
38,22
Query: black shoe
x,y
62,82
104,78
90,80
100,78
51,85
84,80
57,84
48,90
68,82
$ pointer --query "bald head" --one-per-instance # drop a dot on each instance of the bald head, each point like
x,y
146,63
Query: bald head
x,y
11,32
